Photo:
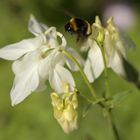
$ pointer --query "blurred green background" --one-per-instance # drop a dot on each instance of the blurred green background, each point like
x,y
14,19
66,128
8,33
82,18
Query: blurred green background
x,y
33,118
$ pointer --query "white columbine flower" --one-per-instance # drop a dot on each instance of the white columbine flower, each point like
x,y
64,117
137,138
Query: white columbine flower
x,y
36,60
113,46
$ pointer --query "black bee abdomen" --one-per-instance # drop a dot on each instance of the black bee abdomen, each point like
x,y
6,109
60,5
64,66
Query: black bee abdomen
x,y
82,26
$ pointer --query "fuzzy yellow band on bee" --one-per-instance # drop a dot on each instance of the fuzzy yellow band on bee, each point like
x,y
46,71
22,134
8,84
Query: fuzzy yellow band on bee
x,y
73,23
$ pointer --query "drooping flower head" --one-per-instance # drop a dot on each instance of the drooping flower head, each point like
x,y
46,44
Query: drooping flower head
x,y
108,37
65,106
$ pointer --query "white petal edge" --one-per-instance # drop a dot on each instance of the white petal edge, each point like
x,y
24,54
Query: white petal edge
x,y
96,60
46,64
58,77
35,27
117,64
88,71
42,85
24,84
27,61
16,50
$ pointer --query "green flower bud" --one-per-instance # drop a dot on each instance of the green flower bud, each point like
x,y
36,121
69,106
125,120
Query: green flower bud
x,y
101,36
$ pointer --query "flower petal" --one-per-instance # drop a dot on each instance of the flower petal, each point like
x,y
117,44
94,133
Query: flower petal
x,y
27,78
48,63
96,61
42,85
117,64
26,62
59,77
16,50
35,27
24,84
115,51
51,36
88,71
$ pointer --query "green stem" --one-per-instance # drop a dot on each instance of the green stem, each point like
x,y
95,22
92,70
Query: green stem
x,y
107,93
92,91
114,128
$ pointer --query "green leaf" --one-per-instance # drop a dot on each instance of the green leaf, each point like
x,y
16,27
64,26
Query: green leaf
x,y
119,97
90,105
86,109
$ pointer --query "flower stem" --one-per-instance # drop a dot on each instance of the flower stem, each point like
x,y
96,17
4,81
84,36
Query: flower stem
x,y
107,93
114,128
92,91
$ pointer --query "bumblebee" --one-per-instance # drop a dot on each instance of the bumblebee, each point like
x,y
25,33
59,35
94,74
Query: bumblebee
x,y
78,26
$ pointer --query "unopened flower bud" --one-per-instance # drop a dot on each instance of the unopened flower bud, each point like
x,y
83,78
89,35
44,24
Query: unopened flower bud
x,y
101,36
